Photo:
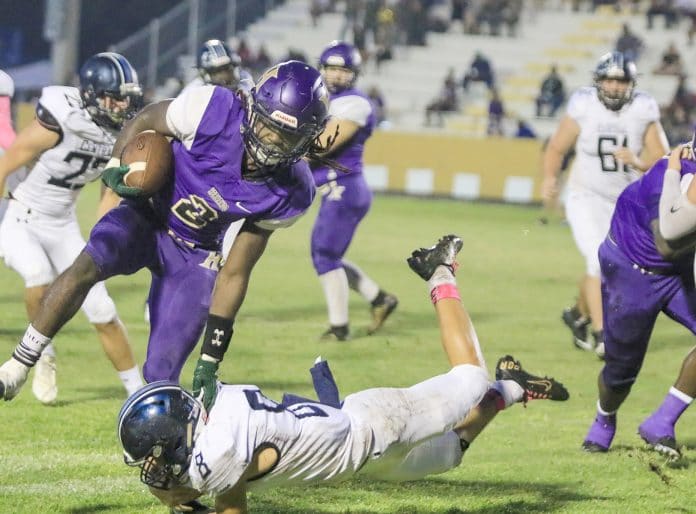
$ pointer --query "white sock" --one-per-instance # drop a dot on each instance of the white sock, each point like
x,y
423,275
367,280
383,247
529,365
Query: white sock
x,y
510,390
49,351
601,411
30,347
682,396
368,288
442,275
335,285
131,379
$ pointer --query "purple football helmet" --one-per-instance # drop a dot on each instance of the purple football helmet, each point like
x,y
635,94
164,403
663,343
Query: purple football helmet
x,y
615,65
288,108
343,55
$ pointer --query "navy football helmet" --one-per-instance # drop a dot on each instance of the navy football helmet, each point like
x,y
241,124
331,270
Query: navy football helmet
x,y
615,65
110,89
156,427
218,65
287,110
343,55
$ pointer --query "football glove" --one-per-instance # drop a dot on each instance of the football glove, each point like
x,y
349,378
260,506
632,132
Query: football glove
x,y
205,382
113,178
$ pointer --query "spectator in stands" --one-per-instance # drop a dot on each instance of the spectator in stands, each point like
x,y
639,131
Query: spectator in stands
x,y
245,54
386,35
496,114
684,101
413,14
671,63
263,59
629,43
491,13
524,130
480,70
446,101
551,94
378,104
664,8
512,11
439,15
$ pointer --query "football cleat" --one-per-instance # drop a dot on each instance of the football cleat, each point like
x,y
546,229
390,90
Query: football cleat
x,y
192,507
425,261
660,437
381,311
601,434
579,327
535,387
13,374
338,333
44,384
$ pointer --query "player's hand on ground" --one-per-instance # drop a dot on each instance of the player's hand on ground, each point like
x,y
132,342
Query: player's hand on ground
x,y
113,178
205,382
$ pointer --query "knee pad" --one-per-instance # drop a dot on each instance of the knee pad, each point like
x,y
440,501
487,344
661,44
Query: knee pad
x,y
98,305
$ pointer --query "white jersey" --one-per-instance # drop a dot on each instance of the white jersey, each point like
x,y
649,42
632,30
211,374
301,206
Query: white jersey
x,y
314,441
386,433
602,131
79,157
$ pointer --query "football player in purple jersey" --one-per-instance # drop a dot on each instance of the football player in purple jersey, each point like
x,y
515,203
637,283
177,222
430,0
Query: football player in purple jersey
x,y
232,159
345,196
647,265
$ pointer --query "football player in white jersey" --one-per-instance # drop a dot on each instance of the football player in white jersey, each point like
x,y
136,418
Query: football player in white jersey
x,y
617,136
7,133
66,147
249,441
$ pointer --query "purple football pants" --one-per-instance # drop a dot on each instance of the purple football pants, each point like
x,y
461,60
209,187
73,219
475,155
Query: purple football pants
x,y
631,301
125,240
344,203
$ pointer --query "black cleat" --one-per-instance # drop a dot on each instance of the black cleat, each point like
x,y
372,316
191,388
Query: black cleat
x,y
424,261
535,387
192,507
381,311
338,333
579,327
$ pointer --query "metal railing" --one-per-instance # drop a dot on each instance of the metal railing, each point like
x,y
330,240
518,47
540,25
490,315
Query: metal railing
x,y
156,51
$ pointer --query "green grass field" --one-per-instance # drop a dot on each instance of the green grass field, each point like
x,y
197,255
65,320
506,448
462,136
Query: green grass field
x,y
515,277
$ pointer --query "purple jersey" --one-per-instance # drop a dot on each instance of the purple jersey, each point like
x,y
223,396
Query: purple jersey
x,y
208,192
635,210
355,106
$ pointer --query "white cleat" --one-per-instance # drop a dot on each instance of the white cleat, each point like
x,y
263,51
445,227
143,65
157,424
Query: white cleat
x,y
44,384
13,374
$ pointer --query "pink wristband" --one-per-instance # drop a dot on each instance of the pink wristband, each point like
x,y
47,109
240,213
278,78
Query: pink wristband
x,y
444,291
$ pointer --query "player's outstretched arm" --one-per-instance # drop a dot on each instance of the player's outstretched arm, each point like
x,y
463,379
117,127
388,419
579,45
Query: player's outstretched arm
x,y
31,142
228,294
560,143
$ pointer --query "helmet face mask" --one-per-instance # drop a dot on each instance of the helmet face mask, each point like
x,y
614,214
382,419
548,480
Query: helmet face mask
x,y
286,112
615,80
156,429
110,89
340,66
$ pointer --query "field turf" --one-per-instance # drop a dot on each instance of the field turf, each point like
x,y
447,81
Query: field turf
x,y
515,277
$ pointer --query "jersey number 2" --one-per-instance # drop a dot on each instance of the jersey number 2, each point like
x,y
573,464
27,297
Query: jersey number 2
x,y
606,155
87,161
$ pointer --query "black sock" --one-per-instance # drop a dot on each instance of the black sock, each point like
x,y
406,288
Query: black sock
x,y
379,299
464,445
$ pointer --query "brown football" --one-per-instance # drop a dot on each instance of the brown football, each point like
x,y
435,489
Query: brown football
x,y
150,159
